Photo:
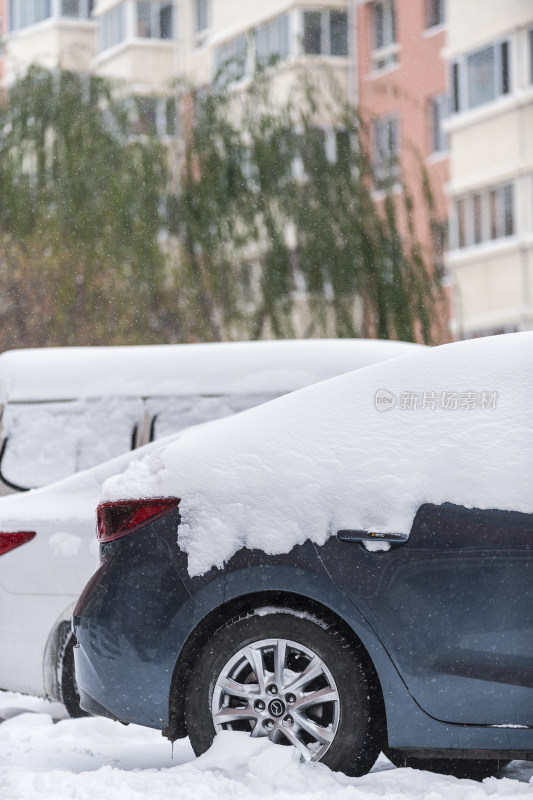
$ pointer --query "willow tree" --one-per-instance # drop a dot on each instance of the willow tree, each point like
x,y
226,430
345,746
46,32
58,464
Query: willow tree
x,y
280,225
80,260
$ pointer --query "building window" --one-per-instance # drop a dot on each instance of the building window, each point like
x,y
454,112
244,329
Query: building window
x,y
460,211
439,241
231,61
384,44
154,116
477,217
146,115
438,111
435,13
325,33
272,41
343,148
501,212
485,216
386,150
23,13
201,15
113,27
384,24
482,76
154,20
170,116
82,9
531,55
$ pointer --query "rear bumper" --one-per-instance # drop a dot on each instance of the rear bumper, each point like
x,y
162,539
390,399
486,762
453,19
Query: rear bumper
x,y
90,705
123,666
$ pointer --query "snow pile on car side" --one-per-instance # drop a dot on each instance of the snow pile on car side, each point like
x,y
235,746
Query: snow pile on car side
x,y
324,458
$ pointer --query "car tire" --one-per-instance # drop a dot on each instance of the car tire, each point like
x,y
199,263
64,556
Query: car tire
x,y
295,679
475,769
69,688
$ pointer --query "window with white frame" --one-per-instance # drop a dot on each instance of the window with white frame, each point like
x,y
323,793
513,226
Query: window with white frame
x,y
438,112
82,9
325,32
484,216
23,13
272,41
386,149
481,76
154,19
112,27
231,60
201,15
384,43
435,13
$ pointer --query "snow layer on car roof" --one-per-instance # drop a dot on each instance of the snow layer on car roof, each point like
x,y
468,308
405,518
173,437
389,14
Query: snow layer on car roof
x,y
278,366
325,458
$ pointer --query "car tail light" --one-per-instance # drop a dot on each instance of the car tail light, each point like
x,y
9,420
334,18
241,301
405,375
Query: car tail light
x,y
8,541
117,519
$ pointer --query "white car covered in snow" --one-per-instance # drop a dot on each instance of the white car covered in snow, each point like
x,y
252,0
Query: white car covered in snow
x,y
66,413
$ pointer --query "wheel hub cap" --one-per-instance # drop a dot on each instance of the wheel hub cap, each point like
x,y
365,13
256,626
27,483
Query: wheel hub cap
x,y
276,708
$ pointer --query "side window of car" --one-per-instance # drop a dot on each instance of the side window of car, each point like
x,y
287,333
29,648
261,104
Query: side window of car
x,y
45,442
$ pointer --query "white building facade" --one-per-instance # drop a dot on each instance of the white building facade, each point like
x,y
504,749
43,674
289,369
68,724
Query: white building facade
x,y
150,42
53,33
490,56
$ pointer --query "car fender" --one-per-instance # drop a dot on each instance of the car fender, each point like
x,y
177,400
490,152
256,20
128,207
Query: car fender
x,y
309,584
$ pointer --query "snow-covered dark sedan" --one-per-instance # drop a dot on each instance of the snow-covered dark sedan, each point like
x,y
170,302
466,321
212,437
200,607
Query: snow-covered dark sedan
x,y
348,570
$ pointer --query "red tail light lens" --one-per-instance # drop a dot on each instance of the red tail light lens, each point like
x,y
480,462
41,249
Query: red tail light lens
x,y
125,516
8,541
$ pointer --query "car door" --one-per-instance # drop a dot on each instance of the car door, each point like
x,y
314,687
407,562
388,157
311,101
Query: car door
x,y
453,606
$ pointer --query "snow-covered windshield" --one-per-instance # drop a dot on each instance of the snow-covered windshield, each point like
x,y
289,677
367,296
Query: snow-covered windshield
x,y
364,451
45,442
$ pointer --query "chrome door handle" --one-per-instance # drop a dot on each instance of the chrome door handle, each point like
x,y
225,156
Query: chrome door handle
x,y
351,535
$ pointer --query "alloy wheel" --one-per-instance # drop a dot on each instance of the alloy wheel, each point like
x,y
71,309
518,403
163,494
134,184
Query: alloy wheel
x,y
280,689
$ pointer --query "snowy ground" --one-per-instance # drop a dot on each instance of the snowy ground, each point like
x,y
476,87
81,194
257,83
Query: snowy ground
x,y
47,756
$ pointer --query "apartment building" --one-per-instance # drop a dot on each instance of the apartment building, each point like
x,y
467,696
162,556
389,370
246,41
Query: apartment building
x,y
3,28
137,42
53,33
151,42
490,56
386,55
402,97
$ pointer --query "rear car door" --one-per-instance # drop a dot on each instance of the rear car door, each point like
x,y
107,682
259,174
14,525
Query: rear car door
x,y
453,606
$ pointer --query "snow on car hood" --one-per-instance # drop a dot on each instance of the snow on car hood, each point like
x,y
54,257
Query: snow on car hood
x,y
458,427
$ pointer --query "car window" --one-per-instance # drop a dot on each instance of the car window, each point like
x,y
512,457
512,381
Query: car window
x,y
173,414
45,442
